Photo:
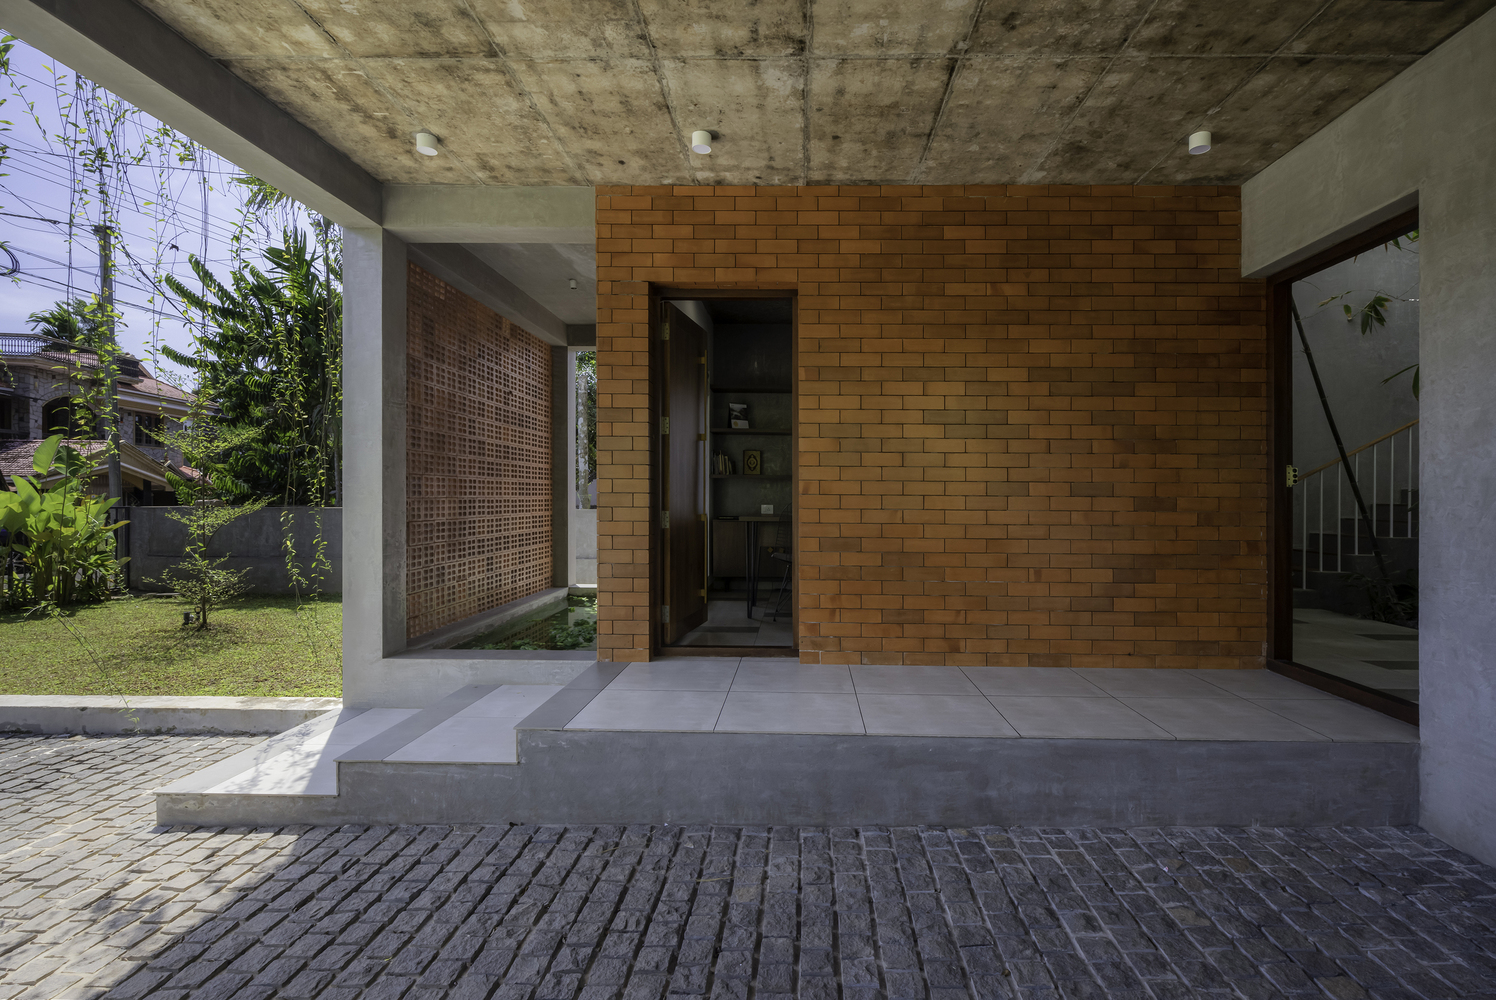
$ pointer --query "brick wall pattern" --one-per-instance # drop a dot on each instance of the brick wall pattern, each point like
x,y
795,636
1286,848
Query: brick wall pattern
x,y
478,453
1032,422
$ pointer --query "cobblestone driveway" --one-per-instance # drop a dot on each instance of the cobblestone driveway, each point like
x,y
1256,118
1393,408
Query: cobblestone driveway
x,y
94,900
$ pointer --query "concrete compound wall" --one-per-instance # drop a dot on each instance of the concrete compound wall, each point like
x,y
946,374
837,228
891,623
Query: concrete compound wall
x,y
1032,421
1428,136
255,542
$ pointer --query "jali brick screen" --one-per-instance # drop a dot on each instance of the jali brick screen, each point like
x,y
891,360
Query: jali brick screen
x,y
478,497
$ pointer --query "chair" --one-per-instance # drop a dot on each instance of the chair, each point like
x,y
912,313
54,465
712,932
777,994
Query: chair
x,y
781,547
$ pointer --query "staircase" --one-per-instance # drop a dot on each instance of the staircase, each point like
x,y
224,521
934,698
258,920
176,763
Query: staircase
x,y
1332,544
282,779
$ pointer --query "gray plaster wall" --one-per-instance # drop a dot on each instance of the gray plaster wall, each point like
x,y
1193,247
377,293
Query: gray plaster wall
x,y
1428,138
254,543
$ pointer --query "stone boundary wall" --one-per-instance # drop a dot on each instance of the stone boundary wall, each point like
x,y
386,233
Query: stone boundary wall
x,y
1032,421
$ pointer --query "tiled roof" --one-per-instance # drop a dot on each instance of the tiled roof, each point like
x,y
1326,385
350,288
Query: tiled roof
x,y
15,458
156,387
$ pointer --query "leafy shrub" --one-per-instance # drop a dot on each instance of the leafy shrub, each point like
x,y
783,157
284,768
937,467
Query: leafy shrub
x,y
59,545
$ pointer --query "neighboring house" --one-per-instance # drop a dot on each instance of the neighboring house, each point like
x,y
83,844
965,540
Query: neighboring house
x,y
1017,362
39,396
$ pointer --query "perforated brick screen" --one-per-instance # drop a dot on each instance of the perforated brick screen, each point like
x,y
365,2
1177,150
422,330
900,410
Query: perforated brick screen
x,y
1032,424
478,496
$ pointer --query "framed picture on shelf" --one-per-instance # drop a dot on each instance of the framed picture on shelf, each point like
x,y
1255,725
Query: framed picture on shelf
x,y
753,463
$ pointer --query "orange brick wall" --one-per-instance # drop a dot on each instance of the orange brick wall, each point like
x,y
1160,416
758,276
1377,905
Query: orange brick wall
x,y
1032,423
478,454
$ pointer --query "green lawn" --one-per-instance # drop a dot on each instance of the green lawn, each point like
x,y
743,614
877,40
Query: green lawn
x,y
138,646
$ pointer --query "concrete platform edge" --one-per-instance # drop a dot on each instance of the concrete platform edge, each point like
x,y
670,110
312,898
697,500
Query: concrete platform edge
x,y
103,715
753,779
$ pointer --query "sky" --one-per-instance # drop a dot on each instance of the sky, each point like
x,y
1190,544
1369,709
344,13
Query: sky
x,y
166,209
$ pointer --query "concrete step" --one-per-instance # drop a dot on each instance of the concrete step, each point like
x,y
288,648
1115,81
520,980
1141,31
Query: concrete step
x,y
455,762
475,725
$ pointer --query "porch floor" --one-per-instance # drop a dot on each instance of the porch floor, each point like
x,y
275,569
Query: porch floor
x,y
767,740
764,695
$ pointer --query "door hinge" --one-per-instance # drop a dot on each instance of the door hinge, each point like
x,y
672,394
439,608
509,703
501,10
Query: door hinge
x,y
701,437
701,360
664,519
1292,476
701,593
665,329
664,425
701,517
665,613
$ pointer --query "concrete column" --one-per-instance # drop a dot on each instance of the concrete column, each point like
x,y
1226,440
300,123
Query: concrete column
x,y
1427,137
374,398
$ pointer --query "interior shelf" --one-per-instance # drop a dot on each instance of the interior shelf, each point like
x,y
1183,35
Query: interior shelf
x,y
744,430
760,392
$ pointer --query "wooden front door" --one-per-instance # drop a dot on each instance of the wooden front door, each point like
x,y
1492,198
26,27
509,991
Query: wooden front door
x,y
683,448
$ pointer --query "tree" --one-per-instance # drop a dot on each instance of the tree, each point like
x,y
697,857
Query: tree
x,y
203,582
84,323
269,357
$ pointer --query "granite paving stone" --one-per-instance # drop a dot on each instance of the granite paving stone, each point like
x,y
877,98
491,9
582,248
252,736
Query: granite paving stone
x,y
98,902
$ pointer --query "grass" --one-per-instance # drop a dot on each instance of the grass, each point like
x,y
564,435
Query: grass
x,y
138,646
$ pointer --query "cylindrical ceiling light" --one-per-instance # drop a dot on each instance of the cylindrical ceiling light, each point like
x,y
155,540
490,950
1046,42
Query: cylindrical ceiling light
x,y
1200,143
701,141
426,144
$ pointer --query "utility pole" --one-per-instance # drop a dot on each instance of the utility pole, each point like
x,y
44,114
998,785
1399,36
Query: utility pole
x,y
110,354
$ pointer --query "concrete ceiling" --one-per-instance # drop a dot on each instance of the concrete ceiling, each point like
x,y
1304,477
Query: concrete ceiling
x,y
577,92
545,272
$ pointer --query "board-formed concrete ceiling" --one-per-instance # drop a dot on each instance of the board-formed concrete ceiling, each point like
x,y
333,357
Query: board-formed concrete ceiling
x,y
578,92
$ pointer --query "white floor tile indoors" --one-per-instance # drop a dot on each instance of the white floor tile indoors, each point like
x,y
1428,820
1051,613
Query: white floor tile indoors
x,y
767,695
727,623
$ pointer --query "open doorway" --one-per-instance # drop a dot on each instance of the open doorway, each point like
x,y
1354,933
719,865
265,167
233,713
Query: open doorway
x,y
727,433
1350,556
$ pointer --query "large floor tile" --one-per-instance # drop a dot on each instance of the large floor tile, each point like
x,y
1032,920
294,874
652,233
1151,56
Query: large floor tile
x,y
787,675
1076,718
1261,685
1219,719
1060,682
931,715
512,701
1344,722
1125,682
777,712
652,711
278,776
707,673
365,726
470,740
911,680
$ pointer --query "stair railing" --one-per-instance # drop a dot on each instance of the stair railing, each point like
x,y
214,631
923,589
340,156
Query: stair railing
x,y
1393,461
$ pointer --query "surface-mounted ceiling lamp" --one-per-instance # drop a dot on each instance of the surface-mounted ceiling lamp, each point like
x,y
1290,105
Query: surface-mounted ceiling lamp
x,y
426,144
1200,143
701,141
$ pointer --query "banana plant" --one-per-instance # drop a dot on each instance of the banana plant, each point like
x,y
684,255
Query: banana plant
x,y
59,544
